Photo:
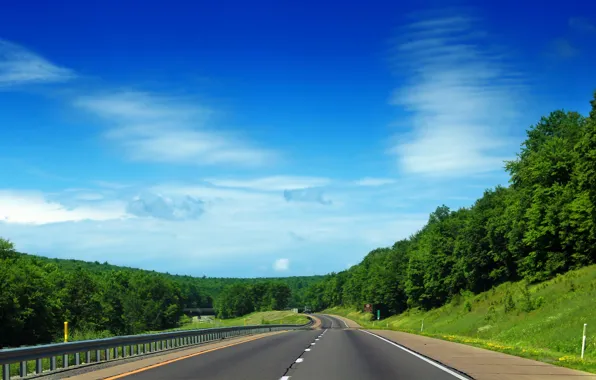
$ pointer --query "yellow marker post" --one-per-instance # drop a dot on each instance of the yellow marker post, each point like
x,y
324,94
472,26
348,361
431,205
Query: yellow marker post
x,y
65,332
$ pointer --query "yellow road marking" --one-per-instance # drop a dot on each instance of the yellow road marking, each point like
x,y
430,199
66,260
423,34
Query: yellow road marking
x,y
180,358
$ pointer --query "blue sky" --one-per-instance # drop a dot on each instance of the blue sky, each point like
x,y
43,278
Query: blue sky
x,y
267,138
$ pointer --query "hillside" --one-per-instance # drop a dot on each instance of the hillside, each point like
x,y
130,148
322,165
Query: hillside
x,y
210,286
542,321
98,300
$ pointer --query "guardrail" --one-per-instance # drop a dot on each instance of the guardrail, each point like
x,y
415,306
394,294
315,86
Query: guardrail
x,y
50,358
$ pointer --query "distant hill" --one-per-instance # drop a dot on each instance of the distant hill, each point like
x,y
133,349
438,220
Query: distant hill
x,y
98,300
210,286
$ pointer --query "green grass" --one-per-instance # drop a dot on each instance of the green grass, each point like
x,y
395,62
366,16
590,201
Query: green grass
x,y
543,322
257,318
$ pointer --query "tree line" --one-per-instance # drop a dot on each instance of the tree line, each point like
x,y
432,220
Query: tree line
x,y
543,224
241,299
38,294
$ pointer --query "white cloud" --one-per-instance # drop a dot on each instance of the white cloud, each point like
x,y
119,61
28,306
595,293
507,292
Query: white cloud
x,y
34,208
197,228
170,130
281,265
275,183
368,181
461,100
20,66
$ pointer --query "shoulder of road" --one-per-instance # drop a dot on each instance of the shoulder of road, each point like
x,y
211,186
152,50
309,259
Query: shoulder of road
x,y
476,362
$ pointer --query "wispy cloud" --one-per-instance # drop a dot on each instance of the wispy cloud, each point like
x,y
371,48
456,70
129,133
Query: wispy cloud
x,y
460,97
582,24
197,227
161,207
368,181
314,195
169,130
35,208
21,66
274,183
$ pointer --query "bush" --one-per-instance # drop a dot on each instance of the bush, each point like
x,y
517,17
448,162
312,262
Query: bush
x,y
526,299
184,320
509,305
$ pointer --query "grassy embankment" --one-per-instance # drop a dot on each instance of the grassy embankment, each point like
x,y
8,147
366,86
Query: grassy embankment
x,y
542,322
257,318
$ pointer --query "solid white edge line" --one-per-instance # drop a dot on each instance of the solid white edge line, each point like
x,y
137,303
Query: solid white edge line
x,y
431,362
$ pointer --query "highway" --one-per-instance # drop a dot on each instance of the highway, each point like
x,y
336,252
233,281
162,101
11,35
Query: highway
x,y
334,352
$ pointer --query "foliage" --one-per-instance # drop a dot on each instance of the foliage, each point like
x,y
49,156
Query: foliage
x,y
542,225
241,299
38,294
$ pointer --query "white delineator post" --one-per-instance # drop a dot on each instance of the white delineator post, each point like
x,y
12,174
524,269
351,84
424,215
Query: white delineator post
x,y
584,340
422,326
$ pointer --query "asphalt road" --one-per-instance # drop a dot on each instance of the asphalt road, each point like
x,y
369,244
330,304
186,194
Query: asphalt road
x,y
332,353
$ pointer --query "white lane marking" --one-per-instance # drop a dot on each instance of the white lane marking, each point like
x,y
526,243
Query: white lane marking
x,y
431,362
308,349
312,344
284,378
317,339
299,360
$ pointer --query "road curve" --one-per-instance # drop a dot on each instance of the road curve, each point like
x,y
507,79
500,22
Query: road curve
x,y
335,352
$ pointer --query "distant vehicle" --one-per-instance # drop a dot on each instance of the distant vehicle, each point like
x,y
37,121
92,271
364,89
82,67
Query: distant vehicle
x,y
307,310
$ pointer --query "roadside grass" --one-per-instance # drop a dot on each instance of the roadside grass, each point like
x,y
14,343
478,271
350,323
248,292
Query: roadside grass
x,y
542,322
257,318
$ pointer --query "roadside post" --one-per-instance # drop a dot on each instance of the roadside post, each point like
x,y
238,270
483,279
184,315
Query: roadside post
x,y
378,314
422,326
584,341
65,332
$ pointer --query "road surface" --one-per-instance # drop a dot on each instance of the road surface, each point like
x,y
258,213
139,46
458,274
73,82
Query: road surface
x,y
334,352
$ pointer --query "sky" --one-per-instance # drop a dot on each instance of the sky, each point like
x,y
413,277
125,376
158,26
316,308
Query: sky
x,y
267,138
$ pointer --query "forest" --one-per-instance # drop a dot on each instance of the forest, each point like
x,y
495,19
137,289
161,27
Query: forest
x,y
541,225
98,300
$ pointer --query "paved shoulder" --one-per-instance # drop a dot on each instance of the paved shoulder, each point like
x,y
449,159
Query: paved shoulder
x,y
479,363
